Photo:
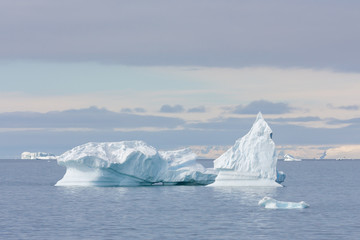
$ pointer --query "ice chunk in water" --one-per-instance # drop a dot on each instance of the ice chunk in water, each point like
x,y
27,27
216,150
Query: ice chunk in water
x,y
269,202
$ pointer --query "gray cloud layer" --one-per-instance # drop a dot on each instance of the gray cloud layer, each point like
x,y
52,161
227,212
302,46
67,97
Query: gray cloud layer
x,y
172,109
213,33
297,119
263,106
221,131
216,132
85,118
130,110
347,107
200,109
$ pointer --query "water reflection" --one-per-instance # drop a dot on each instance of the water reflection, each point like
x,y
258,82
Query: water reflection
x,y
83,194
245,195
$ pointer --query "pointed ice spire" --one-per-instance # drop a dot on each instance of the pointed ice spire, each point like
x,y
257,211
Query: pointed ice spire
x,y
254,153
259,116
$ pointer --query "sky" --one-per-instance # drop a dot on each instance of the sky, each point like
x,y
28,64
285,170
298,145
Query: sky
x,y
177,73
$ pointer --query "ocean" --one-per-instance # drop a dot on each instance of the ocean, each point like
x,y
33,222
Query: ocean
x,y
32,208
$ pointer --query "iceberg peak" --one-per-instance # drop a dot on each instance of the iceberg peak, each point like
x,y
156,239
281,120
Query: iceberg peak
x,y
253,157
259,116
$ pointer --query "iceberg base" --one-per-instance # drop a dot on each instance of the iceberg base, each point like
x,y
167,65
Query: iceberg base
x,y
242,179
82,175
86,176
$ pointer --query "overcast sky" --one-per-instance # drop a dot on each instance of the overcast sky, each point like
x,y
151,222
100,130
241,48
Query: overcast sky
x,y
177,73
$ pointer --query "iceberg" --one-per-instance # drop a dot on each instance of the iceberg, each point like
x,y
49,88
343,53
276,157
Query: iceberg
x,y
182,168
268,202
130,163
290,158
251,161
38,155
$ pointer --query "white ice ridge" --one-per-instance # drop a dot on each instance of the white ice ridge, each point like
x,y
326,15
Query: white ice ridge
x,y
37,155
268,202
130,163
290,158
183,168
251,161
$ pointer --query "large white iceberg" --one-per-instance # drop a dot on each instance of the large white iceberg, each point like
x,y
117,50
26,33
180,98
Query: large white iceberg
x,y
268,202
37,155
130,163
251,161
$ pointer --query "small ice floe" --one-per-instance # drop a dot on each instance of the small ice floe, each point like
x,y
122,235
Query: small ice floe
x,y
268,202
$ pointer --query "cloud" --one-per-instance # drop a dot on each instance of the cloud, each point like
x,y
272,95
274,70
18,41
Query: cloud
x,y
292,134
140,110
285,132
347,107
131,110
35,130
263,106
199,109
351,122
126,110
216,132
350,107
223,124
172,109
167,32
296,119
92,117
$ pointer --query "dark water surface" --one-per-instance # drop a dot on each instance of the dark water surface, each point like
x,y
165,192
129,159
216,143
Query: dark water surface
x,y
32,208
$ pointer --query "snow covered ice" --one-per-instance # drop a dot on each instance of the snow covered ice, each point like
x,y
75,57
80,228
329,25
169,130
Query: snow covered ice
x,y
271,203
37,155
251,161
183,168
290,158
130,163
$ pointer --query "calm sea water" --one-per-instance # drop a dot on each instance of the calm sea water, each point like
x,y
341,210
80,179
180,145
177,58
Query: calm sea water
x,y
32,208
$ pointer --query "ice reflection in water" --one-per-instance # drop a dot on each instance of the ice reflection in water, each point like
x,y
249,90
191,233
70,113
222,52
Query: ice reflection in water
x,y
245,195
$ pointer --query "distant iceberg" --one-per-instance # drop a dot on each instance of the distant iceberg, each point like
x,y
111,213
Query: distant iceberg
x,y
130,163
290,158
251,161
268,202
38,155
